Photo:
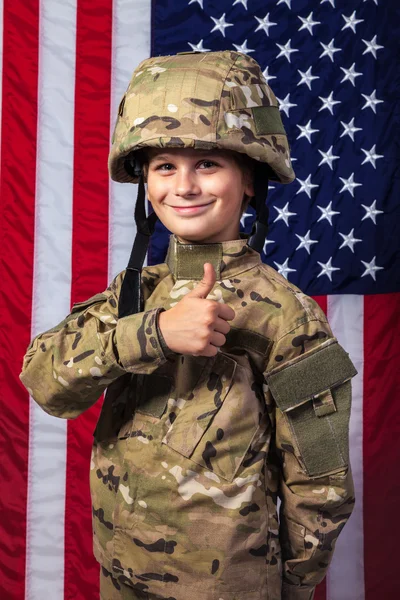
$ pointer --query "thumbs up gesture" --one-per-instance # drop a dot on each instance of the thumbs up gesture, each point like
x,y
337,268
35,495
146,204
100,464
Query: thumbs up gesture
x,y
196,325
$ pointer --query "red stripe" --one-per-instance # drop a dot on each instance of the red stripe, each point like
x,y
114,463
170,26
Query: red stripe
x,y
89,266
381,445
17,223
322,301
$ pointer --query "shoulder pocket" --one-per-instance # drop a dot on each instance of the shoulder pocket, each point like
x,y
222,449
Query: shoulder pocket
x,y
314,393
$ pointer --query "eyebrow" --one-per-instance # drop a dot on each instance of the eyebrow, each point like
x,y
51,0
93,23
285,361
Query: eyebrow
x,y
167,157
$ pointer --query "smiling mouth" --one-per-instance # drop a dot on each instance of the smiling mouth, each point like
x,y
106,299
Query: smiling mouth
x,y
191,206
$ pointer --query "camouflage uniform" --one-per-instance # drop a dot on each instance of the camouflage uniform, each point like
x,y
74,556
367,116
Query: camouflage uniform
x,y
191,453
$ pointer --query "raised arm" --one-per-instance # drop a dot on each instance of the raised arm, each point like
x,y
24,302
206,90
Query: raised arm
x,y
67,368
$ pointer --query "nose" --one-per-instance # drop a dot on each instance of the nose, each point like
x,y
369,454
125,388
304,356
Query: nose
x,y
186,184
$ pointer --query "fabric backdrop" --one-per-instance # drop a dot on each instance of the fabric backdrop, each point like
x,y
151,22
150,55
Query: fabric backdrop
x,y
66,231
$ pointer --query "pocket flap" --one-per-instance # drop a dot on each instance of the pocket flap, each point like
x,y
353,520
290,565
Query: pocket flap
x,y
308,377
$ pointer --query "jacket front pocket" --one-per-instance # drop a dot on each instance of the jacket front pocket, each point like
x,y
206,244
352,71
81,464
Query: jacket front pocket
x,y
218,420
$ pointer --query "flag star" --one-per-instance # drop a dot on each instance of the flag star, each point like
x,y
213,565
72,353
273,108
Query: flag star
x,y
306,186
199,1
244,217
327,269
371,156
306,131
286,50
307,77
284,214
371,101
349,240
327,213
328,103
376,1
349,185
264,23
372,46
330,2
199,47
221,24
285,104
267,75
329,50
371,268
244,2
308,23
351,22
243,48
305,241
328,158
350,74
267,241
284,269
371,212
349,129
287,2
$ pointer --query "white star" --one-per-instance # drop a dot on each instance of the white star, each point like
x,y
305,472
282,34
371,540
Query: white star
x,y
284,269
306,131
199,1
370,156
199,47
349,129
243,48
221,24
371,268
371,212
264,23
267,76
308,23
244,2
328,157
305,241
244,217
349,185
286,50
284,214
307,77
285,104
327,269
287,2
330,2
306,186
267,241
329,50
376,1
371,101
327,213
350,74
349,240
328,103
351,22
372,46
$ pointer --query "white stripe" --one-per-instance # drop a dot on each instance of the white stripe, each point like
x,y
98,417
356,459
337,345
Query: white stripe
x,y
131,44
51,290
345,579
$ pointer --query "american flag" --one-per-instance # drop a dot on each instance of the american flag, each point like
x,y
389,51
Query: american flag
x,y
67,231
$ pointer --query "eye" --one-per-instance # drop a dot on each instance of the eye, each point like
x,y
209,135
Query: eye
x,y
207,164
165,167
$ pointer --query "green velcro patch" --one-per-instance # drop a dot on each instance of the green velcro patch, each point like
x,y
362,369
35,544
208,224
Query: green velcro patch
x,y
268,120
310,375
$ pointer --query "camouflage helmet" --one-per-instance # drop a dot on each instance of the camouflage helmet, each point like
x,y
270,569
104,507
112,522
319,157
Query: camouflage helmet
x,y
205,101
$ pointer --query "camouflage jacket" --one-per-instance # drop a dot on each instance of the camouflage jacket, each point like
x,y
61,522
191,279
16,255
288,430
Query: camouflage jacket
x,y
191,454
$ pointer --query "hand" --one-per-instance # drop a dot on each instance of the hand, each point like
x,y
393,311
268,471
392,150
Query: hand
x,y
196,325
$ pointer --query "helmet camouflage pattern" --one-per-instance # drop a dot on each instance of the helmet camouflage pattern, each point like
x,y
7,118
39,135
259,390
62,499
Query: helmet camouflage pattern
x,y
205,101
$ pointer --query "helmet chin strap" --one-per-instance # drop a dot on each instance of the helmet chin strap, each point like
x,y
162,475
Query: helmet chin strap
x,y
259,202
130,299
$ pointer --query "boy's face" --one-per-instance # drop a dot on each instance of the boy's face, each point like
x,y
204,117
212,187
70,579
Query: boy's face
x,y
197,194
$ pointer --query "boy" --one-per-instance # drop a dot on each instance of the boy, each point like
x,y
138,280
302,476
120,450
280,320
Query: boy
x,y
226,387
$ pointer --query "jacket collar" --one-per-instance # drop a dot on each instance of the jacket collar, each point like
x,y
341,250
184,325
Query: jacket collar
x,y
185,261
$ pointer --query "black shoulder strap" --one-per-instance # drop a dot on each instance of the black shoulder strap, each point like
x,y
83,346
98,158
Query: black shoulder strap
x,y
259,202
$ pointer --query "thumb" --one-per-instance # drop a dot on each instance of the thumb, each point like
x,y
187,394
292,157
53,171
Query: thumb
x,y
204,287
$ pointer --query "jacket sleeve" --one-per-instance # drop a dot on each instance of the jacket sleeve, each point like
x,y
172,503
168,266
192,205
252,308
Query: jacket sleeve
x,y
309,388
67,368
